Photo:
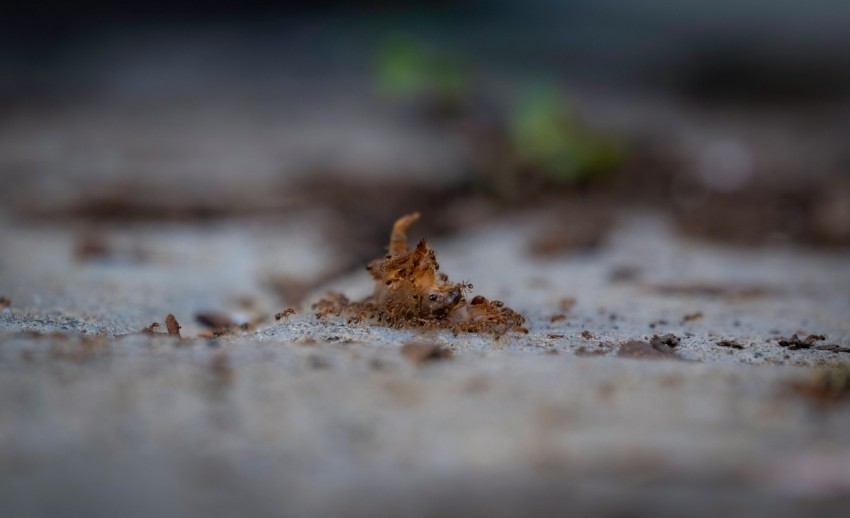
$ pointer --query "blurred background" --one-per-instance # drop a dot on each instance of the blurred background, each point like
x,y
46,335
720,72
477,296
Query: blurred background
x,y
732,116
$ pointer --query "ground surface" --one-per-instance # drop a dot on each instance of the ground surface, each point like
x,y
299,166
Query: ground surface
x,y
311,416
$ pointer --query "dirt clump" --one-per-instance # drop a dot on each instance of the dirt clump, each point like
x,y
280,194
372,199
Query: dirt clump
x,y
732,344
795,342
411,292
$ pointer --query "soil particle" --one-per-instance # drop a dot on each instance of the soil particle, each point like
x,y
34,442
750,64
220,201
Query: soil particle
x,y
794,343
558,317
637,349
566,304
669,340
730,343
690,317
587,335
420,352
5,302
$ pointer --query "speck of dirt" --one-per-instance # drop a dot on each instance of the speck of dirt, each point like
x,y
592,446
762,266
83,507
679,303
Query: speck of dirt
x,y
420,352
554,336
587,335
558,317
653,325
690,317
733,344
646,350
794,343
669,340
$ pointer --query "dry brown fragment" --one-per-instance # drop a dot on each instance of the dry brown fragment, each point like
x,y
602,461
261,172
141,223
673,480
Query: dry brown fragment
x,y
587,335
418,352
558,317
411,292
690,317
669,340
172,326
553,335
5,302
284,314
730,343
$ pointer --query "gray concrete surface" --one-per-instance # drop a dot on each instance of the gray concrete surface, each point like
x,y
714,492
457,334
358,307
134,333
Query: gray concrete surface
x,y
307,417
